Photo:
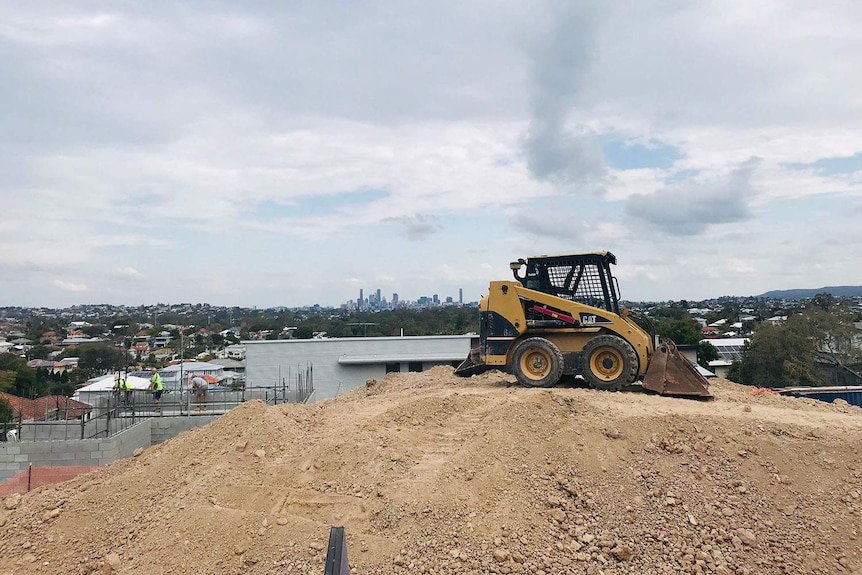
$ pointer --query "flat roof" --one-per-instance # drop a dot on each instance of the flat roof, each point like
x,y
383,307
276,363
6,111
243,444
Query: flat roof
x,y
340,339
396,358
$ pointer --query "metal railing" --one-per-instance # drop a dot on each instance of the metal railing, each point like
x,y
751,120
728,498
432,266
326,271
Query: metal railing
x,y
115,411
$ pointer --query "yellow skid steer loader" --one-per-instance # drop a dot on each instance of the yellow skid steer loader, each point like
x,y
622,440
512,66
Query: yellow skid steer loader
x,y
562,317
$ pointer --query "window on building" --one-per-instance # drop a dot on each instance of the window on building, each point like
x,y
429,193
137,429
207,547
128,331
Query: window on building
x,y
393,367
414,366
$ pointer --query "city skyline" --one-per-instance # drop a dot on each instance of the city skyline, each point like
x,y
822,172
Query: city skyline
x,y
379,300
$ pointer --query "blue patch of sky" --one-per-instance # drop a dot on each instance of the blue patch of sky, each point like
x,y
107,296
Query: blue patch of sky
x,y
624,155
832,166
807,207
142,199
316,205
680,176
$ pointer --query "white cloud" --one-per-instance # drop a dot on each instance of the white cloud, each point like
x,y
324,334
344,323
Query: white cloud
x,y
128,272
71,286
687,208
169,137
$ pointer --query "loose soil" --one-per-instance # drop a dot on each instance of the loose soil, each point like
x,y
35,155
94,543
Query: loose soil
x,y
434,474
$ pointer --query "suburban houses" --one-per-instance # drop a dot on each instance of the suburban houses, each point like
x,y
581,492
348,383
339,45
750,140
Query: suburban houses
x,y
183,339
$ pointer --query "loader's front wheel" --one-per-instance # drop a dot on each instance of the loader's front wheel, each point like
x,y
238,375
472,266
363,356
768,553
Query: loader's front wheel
x,y
537,363
609,363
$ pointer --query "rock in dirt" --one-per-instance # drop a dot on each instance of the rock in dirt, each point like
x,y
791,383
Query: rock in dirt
x,y
746,536
112,563
12,501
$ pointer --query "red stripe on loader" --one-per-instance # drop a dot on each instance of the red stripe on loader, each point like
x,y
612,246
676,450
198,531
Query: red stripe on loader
x,y
554,314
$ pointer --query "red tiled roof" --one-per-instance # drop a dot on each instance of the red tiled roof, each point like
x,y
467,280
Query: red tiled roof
x,y
36,409
65,404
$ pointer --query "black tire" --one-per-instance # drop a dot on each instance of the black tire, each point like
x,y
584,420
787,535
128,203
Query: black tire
x,y
610,363
537,363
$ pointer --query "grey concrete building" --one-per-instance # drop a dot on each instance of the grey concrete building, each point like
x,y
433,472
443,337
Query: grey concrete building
x,y
341,364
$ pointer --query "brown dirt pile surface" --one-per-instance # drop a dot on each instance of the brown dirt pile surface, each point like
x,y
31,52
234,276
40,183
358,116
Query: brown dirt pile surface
x,y
434,474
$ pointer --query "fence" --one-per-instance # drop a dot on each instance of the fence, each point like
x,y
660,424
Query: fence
x,y
115,411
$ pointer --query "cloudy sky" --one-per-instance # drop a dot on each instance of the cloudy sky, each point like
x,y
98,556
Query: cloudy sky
x,y
290,153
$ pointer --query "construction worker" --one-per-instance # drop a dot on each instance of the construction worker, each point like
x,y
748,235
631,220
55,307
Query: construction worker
x,y
156,386
199,386
123,386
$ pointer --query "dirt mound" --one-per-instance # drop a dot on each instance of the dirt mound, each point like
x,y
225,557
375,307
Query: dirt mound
x,y
430,473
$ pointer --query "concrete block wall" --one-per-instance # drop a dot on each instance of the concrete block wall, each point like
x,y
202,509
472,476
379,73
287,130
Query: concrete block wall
x,y
127,441
164,428
16,456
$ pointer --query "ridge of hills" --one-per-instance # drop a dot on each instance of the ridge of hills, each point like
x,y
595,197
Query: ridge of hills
x,y
836,291
435,474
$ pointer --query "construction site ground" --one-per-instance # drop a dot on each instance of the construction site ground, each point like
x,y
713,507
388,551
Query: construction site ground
x,y
434,474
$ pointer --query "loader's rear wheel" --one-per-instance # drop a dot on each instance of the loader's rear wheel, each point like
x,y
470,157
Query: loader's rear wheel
x,y
609,363
537,363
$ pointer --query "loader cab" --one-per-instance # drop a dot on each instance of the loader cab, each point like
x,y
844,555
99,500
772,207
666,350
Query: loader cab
x,y
584,278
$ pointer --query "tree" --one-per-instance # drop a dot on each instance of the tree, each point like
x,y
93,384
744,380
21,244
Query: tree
x,y
706,352
303,332
39,352
7,379
673,312
15,377
99,358
681,331
831,325
786,355
93,330
7,413
824,301
36,327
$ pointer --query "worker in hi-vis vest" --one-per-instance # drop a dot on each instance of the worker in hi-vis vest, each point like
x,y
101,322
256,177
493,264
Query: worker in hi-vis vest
x,y
156,386
122,384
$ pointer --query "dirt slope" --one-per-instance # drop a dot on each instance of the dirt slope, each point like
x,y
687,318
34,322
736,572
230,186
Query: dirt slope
x,y
430,473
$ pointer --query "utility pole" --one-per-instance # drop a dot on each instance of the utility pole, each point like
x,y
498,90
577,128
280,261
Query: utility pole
x,y
182,355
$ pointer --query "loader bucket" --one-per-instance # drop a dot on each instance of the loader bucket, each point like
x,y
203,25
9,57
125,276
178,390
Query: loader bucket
x,y
473,365
669,373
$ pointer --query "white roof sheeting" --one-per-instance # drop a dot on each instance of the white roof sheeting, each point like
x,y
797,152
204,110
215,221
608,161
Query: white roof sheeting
x,y
190,366
106,383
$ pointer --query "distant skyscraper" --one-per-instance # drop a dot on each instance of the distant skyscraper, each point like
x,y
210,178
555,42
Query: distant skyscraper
x,y
394,299
460,295
378,296
361,299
